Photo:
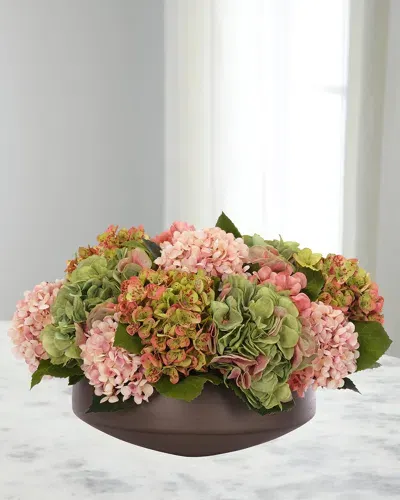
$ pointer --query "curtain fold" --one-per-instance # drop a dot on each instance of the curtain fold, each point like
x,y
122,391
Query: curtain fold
x,y
364,129
255,108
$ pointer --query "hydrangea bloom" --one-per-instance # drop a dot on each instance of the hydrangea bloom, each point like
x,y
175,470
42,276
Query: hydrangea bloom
x,y
349,287
266,255
169,310
283,280
257,331
112,238
168,235
82,254
216,252
337,349
112,370
31,316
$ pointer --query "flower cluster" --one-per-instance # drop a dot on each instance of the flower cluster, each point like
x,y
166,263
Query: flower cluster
x,y
264,318
169,311
259,330
282,280
213,250
337,344
173,232
349,287
31,316
111,370
113,238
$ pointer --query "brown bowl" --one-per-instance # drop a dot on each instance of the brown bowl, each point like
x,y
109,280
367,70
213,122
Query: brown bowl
x,y
216,422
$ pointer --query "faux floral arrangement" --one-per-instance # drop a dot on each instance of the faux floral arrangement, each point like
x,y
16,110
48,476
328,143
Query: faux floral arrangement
x,y
136,315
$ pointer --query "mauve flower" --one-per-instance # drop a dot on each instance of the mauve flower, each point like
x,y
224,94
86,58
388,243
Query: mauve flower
x,y
112,371
216,252
176,227
337,349
241,369
136,260
266,255
31,316
99,312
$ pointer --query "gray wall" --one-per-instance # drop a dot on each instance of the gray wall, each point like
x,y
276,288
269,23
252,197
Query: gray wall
x,y
81,130
388,246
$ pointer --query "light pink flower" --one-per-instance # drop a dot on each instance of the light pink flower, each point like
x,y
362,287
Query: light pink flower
x,y
337,349
112,371
216,252
283,280
31,316
176,227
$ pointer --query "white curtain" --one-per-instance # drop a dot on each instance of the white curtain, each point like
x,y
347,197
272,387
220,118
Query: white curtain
x,y
255,115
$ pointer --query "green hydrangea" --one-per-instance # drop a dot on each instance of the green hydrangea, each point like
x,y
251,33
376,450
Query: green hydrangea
x,y
306,258
257,322
60,343
92,283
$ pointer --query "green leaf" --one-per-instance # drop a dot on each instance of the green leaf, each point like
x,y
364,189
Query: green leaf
x,y
97,407
133,244
225,223
349,384
315,282
74,379
217,282
188,388
60,371
153,248
131,343
374,342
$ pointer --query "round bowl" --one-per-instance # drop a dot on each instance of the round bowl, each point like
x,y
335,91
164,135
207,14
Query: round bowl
x,y
216,422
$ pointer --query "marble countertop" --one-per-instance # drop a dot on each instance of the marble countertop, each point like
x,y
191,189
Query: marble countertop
x,y
350,450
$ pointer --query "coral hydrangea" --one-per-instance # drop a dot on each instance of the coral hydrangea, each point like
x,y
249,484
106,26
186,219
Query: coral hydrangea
x,y
337,349
213,250
349,288
282,280
176,227
31,316
114,372
112,239
169,310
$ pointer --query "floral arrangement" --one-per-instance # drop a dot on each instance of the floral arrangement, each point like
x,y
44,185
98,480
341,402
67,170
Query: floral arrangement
x,y
135,316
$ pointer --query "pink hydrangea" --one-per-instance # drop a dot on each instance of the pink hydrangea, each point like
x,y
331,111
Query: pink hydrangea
x,y
283,280
31,316
216,252
176,227
337,349
112,371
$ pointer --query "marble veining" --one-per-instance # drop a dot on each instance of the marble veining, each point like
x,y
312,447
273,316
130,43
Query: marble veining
x,y
350,450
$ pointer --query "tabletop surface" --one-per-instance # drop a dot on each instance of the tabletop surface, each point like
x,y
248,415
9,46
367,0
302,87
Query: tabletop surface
x,y
350,450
